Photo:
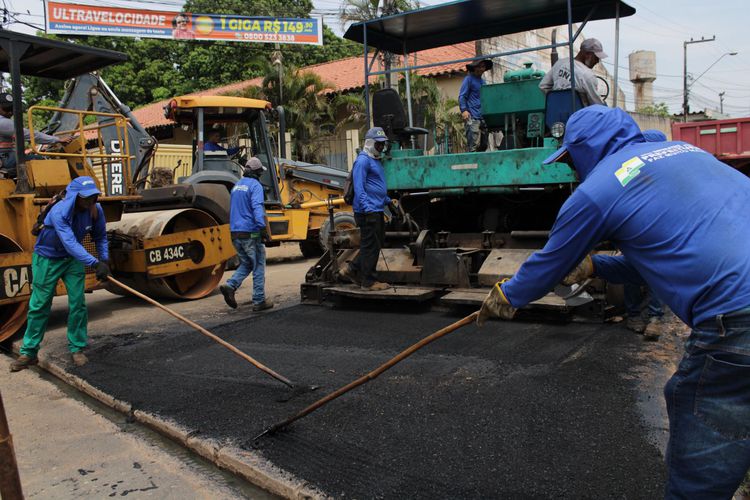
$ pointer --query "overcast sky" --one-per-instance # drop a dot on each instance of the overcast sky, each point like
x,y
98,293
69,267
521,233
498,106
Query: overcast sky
x,y
659,26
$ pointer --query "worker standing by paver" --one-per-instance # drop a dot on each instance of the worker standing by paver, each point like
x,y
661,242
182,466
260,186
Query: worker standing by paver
x,y
247,223
370,198
558,78
679,217
471,106
59,255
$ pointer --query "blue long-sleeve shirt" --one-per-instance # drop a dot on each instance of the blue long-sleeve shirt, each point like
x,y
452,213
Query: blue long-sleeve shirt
x,y
468,96
370,190
678,215
246,210
213,146
65,227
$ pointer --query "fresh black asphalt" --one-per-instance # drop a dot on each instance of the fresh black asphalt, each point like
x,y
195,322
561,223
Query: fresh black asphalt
x,y
512,410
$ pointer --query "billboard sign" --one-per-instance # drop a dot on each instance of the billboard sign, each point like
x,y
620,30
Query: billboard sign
x,y
65,18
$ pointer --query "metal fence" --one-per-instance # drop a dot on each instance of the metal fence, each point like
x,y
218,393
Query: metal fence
x,y
333,153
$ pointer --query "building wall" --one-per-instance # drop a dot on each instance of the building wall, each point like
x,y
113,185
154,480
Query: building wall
x,y
646,122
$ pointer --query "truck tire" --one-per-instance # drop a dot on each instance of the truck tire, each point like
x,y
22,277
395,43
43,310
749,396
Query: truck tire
x,y
341,220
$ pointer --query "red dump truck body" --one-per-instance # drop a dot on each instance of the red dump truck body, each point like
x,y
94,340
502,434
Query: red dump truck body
x,y
728,140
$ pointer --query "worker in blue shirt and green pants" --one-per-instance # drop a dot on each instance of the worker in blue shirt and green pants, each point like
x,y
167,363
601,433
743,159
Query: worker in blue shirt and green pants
x,y
59,255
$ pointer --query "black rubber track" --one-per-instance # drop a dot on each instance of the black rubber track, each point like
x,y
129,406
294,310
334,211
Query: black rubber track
x,y
514,410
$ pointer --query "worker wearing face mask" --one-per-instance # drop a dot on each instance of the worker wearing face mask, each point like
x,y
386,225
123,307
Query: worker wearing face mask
x,y
370,199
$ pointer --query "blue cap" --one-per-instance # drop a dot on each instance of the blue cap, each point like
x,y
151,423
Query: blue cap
x,y
654,135
557,155
377,134
83,186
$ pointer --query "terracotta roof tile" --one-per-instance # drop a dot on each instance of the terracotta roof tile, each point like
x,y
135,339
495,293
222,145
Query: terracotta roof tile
x,y
343,74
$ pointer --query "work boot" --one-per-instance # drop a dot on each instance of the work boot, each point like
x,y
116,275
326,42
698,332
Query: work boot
x,y
377,286
653,329
79,358
636,324
228,293
22,363
347,273
262,306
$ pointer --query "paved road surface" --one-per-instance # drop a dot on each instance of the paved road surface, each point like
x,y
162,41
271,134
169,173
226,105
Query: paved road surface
x,y
512,411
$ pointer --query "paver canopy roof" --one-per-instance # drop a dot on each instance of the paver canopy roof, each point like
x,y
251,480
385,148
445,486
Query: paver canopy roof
x,y
52,58
468,20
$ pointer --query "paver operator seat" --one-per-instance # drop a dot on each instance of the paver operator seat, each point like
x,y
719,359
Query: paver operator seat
x,y
559,107
388,112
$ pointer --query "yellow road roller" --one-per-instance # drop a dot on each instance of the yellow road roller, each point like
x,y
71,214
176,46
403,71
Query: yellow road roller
x,y
165,242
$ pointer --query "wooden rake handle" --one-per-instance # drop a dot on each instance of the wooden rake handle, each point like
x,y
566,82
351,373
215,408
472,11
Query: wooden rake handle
x,y
205,332
373,374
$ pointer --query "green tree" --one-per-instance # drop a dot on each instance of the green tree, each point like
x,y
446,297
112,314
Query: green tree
x,y
353,106
433,111
309,113
660,109
354,11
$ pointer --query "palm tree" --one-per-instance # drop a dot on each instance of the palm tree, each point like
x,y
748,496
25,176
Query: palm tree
x,y
309,114
435,112
355,11
354,106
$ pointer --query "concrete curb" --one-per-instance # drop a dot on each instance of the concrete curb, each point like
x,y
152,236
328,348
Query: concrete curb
x,y
252,467
262,473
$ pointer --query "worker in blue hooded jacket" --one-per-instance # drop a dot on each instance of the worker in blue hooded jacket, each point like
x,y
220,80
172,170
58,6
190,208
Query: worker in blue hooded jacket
x,y
679,216
59,255
370,200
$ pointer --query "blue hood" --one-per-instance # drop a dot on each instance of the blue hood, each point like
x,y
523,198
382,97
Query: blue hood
x,y
80,186
653,135
593,133
64,228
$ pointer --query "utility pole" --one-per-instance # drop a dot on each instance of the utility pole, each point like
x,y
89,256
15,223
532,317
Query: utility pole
x,y
684,74
721,102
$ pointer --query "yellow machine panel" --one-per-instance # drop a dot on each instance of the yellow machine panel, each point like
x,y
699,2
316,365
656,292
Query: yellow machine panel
x,y
48,177
289,224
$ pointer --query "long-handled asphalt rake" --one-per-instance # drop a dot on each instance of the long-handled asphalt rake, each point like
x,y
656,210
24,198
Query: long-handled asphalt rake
x,y
372,375
208,334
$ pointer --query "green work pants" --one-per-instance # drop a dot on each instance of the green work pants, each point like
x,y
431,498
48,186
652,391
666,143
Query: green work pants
x,y
45,274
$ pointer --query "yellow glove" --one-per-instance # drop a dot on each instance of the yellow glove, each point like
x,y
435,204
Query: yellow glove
x,y
580,273
496,305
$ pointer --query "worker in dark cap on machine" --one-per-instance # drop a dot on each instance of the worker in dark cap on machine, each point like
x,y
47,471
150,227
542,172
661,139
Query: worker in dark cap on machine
x,y
471,107
8,134
558,78
247,223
